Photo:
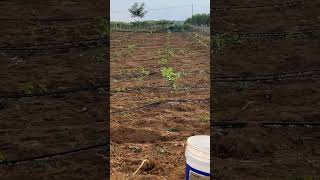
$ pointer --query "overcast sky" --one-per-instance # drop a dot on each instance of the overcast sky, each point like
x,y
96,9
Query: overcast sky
x,y
159,9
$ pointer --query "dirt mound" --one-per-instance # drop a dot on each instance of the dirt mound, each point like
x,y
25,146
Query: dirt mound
x,y
157,131
132,135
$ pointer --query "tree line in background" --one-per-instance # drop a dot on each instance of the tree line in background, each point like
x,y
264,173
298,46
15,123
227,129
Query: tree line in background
x,y
138,12
199,19
174,26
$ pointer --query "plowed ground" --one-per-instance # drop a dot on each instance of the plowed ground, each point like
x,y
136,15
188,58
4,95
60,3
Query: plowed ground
x,y
157,132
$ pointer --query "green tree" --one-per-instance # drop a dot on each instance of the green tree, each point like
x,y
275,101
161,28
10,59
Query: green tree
x,y
137,11
199,19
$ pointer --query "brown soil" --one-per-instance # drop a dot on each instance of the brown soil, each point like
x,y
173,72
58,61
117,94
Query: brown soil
x,y
157,133
273,152
39,126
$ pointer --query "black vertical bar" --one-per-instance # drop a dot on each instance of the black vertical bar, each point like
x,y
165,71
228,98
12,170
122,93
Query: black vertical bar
x,y
107,149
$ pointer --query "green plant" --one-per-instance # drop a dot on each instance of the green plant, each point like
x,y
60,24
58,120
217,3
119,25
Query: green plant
x,y
140,72
240,86
168,52
167,43
100,58
171,53
125,114
303,177
166,46
162,150
136,149
131,47
115,56
101,91
163,61
43,87
219,42
204,118
29,88
173,129
121,89
129,50
170,76
144,71
104,28
2,157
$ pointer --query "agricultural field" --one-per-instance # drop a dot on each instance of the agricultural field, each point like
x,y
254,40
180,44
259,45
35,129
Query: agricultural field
x,y
52,115
275,80
160,91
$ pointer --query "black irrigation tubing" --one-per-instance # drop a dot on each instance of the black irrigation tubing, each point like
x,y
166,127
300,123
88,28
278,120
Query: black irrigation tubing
x,y
156,104
231,8
66,44
269,77
56,45
153,48
240,124
152,74
25,45
51,19
138,31
12,162
158,87
268,35
17,95
160,46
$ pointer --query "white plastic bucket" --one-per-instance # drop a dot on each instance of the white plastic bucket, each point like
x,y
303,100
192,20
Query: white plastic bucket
x,y
198,158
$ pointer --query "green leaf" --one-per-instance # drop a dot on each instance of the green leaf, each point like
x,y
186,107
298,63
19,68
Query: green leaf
x,y
2,158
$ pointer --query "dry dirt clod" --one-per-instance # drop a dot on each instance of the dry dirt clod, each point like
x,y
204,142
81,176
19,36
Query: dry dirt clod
x,y
148,166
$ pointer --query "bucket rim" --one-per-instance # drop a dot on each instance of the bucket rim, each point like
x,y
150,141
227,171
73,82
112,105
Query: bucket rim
x,y
191,146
